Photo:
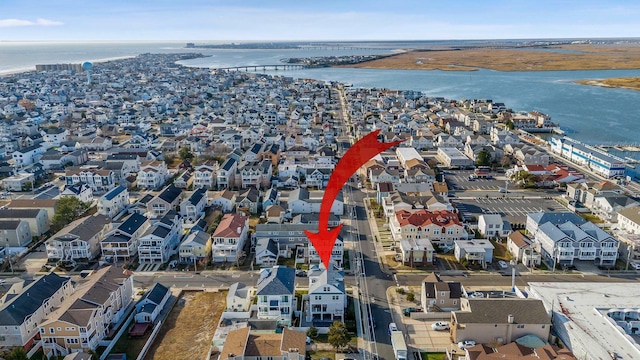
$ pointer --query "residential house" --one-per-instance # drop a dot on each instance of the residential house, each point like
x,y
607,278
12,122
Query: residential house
x,y
80,191
416,252
267,252
564,242
152,175
160,240
271,197
54,136
229,238
27,156
205,175
15,233
168,199
249,201
100,181
225,200
26,304
241,344
194,247
22,181
114,201
192,208
152,303
37,218
438,295
521,249
276,294
302,201
629,220
79,240
94,144
499,320
225,177
85,318
440,227
478,251
49,205
492,226
184,180
238,299
275,214
121,243
517,351
327,296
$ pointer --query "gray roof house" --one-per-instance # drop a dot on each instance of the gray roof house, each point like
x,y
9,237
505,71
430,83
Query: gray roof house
x,y
275,294
152,303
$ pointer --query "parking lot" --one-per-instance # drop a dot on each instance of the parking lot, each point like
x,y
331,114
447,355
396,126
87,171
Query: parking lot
x,y
514,209
459,180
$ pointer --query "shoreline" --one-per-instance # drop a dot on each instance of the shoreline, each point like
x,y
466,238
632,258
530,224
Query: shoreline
x,y
15,71
628,83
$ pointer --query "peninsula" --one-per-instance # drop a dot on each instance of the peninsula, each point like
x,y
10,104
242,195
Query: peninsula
x,y
547,58
631,83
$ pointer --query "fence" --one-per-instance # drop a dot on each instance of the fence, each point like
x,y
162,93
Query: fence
x,y
152,337
115,339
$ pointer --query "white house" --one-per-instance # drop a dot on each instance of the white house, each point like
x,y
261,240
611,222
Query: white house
x,y
114,201
158,242
193,208
27,155
327,296
238,299
275,294
205,175
79,240
152,303
476,250
267,252
229,238
302,201
81,191
152,175
492,226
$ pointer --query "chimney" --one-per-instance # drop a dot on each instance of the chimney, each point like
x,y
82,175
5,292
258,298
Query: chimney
x,y
239,230
510,319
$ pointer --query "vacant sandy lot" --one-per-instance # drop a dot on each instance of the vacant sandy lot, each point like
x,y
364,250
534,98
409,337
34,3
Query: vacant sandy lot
x,y
567,57
188,330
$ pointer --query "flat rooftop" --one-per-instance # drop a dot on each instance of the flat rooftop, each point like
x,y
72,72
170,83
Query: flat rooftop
x,y
580,316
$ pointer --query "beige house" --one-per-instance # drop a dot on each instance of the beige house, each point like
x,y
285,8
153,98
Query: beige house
x,y
241,344
195,246
26,304
49,205
80,239
37,219
520,247
499,321
168,199
84,318
438,295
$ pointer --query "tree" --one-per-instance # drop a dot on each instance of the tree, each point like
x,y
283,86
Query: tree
x,y
411,296
68,209
18,353
484,158
186,154
510,125
312,332
338,335
27,185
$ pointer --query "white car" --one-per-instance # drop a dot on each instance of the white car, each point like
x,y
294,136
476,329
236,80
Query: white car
x,y
634,265
392,327
440,326
502,264
466,344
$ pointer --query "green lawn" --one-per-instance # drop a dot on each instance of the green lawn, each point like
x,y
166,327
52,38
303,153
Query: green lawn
x,y
319,354
433,356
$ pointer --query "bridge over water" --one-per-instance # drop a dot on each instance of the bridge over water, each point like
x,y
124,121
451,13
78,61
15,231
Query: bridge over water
x,y
256,68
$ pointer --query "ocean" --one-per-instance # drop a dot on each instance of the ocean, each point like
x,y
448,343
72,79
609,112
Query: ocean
x,y
591,114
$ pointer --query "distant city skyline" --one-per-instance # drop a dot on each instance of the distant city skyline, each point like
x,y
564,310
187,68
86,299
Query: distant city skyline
x,y
227,20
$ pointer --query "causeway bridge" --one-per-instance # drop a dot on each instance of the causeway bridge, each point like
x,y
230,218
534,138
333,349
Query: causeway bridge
x,y
255,68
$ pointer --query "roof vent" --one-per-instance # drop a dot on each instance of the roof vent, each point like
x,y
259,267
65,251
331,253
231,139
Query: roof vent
x,y
293,350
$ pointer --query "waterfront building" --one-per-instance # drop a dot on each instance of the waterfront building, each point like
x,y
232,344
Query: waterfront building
x,y
596,160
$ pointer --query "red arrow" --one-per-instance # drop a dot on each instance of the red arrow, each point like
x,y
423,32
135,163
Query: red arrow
x,y
361,152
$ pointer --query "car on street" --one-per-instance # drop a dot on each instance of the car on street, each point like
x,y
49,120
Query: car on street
x,y
440,326
2,281
465,344
502,264
634,265
392,327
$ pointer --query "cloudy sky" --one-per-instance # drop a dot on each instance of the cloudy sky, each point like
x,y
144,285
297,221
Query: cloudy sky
x,y
32,20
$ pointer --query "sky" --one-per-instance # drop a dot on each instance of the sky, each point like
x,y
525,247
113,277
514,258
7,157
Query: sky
x,y
259,20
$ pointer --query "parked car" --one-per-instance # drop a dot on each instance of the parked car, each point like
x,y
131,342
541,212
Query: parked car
x,y
502,264
634,265
309,341
409,310
466,344
440,326
301,273
392,327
